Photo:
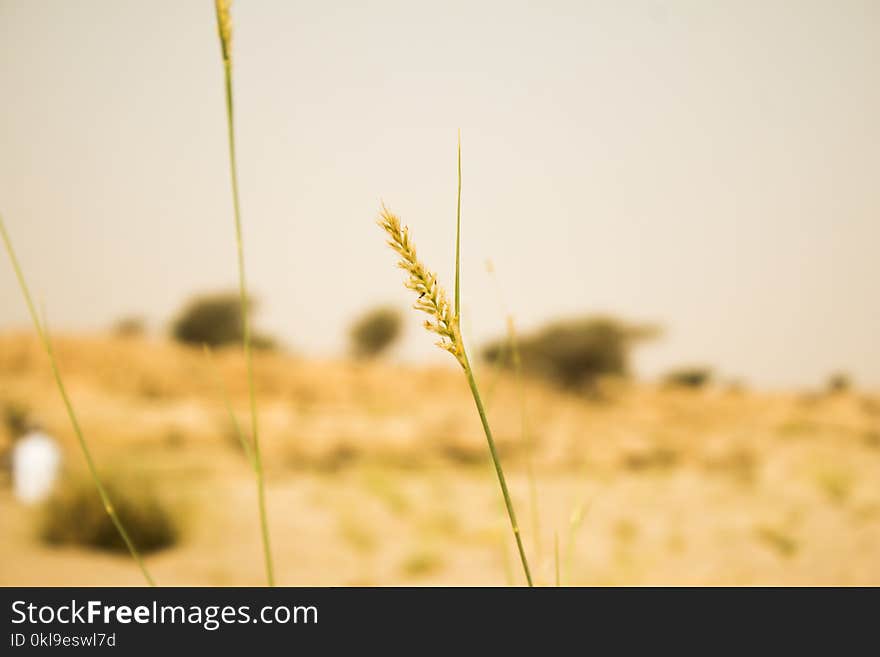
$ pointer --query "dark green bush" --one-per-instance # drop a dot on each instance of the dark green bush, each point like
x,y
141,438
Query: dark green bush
x,y
839,382
263,342
577,352
212,319
15,417
215,320
75,515
375,331
689,377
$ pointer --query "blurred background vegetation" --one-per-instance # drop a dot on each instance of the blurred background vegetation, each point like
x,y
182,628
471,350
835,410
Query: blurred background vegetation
x,y
681,199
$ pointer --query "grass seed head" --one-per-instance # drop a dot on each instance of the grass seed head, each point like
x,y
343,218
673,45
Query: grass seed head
x,y
432,297
224,27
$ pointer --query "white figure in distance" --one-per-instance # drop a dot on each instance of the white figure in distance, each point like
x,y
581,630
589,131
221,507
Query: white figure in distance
x,y
36,463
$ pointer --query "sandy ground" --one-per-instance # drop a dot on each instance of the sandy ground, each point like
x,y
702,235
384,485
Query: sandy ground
x,y
378,475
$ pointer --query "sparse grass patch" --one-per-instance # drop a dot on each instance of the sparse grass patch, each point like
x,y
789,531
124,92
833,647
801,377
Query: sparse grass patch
x,y
867,511
737,462
625,531
653,457
150,388
439,524
356,533
780,540
381,485
335,459
837,484
625,534
797,427
174,438
461,454
132,326
689,377
421,562
675,542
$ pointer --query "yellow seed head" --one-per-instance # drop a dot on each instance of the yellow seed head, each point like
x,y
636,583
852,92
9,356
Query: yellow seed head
x,y
224,27
432,297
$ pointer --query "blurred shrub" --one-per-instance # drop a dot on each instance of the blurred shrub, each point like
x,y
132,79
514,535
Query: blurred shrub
x,y
375,331
839,382
576,352
130,327
779,539
688,377
421,563
836,483
735,386
215,320
263,342
15,416
75,515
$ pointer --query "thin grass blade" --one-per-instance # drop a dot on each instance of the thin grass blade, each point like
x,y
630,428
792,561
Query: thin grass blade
x,y
224,28
43,334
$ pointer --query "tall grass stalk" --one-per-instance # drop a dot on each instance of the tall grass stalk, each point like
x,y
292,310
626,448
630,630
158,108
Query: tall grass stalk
x,y
527,441
497,372
224,28
527,436
43,334
221,390
458,236
496,461
446,324
469,372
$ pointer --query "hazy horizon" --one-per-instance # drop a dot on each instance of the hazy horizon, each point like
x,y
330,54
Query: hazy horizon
x,y
709,167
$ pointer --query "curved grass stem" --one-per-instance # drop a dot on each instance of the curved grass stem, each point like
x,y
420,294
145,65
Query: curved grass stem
x,y
475,390
496,461
445,323
43,334
233,419
458,236
224,25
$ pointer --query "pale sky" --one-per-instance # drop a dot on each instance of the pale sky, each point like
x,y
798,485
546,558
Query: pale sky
x,y
710,166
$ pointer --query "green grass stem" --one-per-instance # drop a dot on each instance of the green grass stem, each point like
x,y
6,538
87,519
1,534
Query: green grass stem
x,y
225,29
458,236
512,354
446,325
221,390
475,390
42,332
499,471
